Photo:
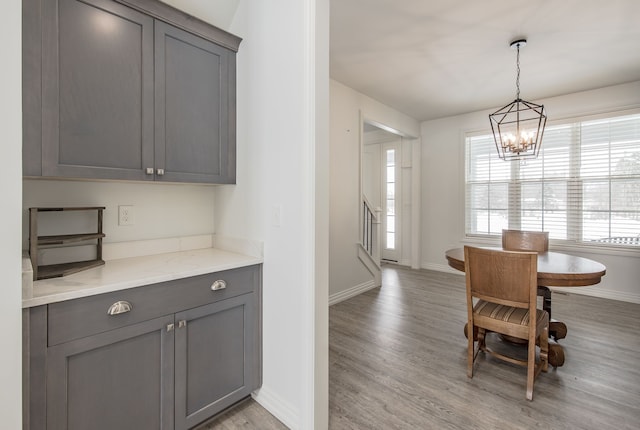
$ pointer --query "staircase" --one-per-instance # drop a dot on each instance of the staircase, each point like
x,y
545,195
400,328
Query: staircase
x,y
369,246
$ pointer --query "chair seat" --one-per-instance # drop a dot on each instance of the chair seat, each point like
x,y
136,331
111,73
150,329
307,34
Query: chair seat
x,y
509,314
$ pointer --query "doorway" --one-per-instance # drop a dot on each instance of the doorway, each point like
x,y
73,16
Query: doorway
x,y
382,173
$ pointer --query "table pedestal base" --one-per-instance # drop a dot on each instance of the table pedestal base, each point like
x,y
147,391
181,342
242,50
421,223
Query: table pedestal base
x,y
556,354
557,329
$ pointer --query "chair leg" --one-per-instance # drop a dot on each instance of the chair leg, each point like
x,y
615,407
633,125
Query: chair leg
x,y
544,349
531,364
482,343
470,356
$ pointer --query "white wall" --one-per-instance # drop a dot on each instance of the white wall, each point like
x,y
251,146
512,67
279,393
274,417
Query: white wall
x,y
160,210
443,185
320,359
372,172
11,180
347,106
281,166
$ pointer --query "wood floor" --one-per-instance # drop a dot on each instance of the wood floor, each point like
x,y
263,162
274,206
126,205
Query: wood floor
x,y
397,358
248,415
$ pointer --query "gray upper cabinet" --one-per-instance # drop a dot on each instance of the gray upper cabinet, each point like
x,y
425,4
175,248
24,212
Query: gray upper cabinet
x,y
111,91
97,91
194,108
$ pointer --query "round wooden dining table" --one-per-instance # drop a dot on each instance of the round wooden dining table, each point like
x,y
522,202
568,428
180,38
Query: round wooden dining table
x,y
555,269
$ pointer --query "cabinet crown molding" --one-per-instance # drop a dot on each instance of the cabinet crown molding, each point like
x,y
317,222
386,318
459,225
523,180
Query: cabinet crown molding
x,y
183,20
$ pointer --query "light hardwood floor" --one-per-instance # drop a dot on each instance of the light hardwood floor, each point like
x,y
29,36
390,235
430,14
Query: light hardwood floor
x,y
397,357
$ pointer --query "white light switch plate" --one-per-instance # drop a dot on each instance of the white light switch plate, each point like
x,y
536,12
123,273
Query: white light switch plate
x,y
276,216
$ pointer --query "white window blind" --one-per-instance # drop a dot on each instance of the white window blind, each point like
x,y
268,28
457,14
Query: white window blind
x,y
583,187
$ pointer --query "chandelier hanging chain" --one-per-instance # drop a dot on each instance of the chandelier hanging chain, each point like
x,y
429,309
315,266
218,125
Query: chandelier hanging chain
x,y
518,73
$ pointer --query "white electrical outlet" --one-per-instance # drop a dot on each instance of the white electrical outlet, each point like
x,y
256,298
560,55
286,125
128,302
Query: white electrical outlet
x,y
125,215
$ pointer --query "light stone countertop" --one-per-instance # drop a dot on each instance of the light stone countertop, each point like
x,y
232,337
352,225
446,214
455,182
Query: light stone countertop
x,y
133,272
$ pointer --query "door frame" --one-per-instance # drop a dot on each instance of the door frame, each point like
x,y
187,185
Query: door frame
x,y
394,255
411,172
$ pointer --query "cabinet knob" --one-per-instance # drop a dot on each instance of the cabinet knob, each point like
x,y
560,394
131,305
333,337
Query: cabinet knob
x,y
149,170
218,285
170,327
119,307
182,323
160,172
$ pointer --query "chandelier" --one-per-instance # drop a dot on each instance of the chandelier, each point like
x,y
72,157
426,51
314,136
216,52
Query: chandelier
x,y
518,127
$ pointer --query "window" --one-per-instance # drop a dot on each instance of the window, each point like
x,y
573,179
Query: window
x,y
390,193
583,187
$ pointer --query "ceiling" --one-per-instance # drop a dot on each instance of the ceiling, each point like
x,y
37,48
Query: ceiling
x,y
436,58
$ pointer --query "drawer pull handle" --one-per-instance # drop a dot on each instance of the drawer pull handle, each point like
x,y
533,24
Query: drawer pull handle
x,y
120,307
218,285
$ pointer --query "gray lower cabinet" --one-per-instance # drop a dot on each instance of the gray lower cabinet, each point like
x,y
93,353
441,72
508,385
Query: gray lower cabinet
x,y
180,355
112,91
213,359
121,379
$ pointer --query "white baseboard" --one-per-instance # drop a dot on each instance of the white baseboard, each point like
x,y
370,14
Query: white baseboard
x,y
278,407
352,292
594,291
441,268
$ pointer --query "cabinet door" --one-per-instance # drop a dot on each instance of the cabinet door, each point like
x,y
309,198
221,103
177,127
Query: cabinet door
x,y
194,108
97,90
214,351
121,379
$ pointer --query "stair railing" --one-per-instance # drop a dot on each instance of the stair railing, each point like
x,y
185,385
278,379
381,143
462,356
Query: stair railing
x,y
370,228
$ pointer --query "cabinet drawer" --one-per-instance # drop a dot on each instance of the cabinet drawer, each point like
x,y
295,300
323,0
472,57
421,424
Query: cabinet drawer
x,y
74,319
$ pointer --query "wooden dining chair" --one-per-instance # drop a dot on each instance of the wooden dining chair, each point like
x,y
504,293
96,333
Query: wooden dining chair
x,y
502,298
521,240
538,241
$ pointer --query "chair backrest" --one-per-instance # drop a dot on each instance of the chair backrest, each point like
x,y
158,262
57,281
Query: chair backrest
x,y
503,277
520,240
